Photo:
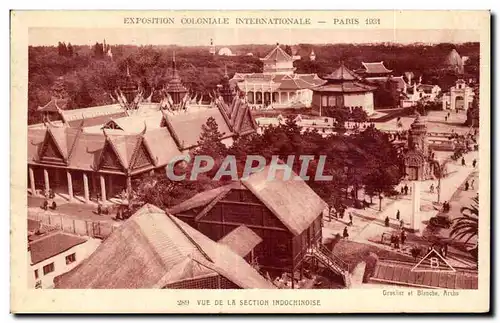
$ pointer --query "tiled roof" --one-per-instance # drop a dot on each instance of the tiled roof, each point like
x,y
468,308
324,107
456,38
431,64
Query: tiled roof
x,y
154,249
52,245
278,55
375,68
345,87
342,73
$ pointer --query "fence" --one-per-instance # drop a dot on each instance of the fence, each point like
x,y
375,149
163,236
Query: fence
x,y
94,229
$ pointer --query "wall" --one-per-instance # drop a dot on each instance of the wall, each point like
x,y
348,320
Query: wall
x,y
82,251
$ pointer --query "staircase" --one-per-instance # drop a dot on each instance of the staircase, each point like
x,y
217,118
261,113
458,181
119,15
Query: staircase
x,y
330,261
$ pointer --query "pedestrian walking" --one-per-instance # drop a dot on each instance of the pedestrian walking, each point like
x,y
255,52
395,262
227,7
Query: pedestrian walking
x,y
350,218
386,221
431,189
401,224
466,185
474,162
446,119
463,161
345,234
472,184
403,237
396,241
406,189
402,189
398,214
448,115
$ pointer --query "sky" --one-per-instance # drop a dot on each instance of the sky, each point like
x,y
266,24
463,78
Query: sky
x,y
238,36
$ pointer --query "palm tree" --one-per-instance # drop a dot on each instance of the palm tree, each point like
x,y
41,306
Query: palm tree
x,y
466,226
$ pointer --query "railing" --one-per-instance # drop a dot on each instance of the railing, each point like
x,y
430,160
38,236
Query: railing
x,y
339,262
332,262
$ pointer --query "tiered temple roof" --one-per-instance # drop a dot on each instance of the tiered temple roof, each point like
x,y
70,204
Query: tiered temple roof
x,y
278,55
343,80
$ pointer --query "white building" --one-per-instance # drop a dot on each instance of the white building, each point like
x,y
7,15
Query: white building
x,y
278,85
224,51
460,96
54,254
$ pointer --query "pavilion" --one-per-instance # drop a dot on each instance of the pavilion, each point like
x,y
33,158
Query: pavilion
x,y
96,153
278,85
344,89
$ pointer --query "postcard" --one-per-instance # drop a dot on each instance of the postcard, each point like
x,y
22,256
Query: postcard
x,y
280,161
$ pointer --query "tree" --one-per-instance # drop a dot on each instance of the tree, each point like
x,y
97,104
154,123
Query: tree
x,y
62,50
210,142
59,88
358,114
467,225
69,50
473,112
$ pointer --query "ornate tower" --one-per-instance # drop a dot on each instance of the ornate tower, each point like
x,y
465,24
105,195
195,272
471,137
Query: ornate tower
x,y
226,92
417,136
212,47
174,88
130,91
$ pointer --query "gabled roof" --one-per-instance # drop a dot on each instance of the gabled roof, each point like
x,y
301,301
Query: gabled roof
x,y
278,55
52,245
241,240
154,249
292,201
375,68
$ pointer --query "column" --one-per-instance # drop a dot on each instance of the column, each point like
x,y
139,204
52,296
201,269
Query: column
x,y
415,210
70,185
288,97
103,187
129,189
31,175
86,188
46,179
279,97
110,186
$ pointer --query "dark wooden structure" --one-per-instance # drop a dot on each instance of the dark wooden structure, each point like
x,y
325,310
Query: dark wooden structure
x,y
286,215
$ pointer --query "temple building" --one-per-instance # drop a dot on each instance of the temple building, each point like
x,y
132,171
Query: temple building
x,y
418,157
459,97
343,89
96,153
278,85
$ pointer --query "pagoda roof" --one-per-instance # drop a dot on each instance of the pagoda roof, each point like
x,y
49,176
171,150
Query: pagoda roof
x,y
345,87
375,68
278,55
342,74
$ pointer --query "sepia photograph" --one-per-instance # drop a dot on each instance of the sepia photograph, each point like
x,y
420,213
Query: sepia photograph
x,y
269,158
